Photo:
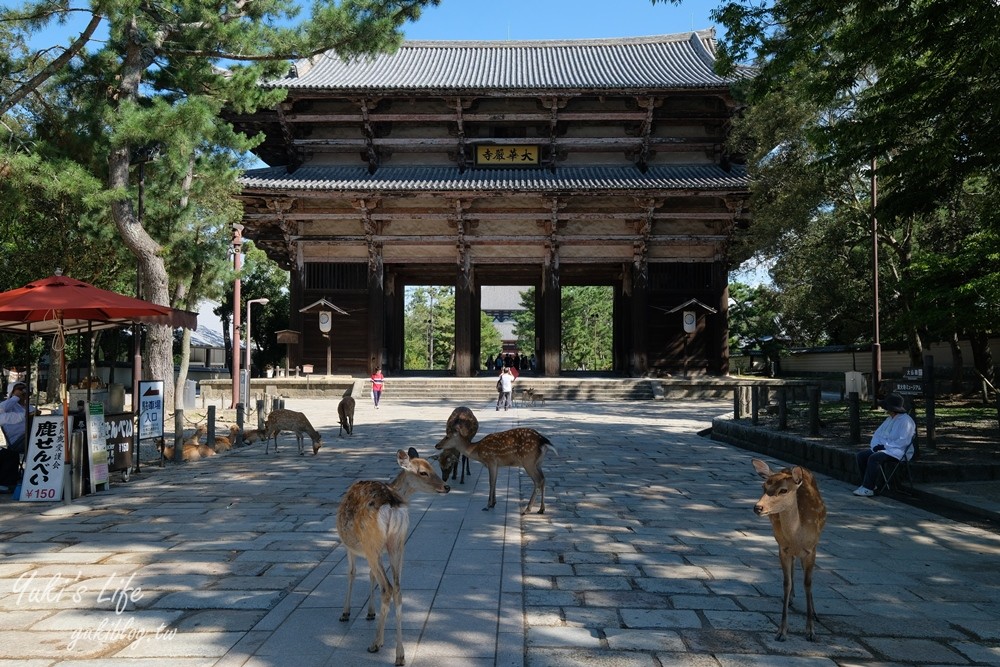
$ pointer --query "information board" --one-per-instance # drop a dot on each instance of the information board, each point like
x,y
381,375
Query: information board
x,y
151,409
119,429
97,447
45,464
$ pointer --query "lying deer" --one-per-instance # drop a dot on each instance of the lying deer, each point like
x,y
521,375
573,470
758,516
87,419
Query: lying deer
x,y
521,447
345,411
373,518
462,420
792,502
191,450
289,420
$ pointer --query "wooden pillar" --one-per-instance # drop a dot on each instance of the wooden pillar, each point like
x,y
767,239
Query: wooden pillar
x,y
394,314
639,358
296,317
464,363
551,318
376,310
719,341
621,334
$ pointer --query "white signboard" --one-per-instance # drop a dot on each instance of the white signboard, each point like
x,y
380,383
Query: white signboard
x,y
44,466
151,409
98,446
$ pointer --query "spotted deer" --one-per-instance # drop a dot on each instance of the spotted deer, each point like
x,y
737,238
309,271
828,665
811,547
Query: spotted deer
x,y
289,420
521,447
462,420
373,519
345,411
792,502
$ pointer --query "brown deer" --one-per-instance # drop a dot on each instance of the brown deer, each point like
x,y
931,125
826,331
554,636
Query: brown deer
x,y
462,420
373,518
223,443
345,411
191,450
521,447
792,502
289,420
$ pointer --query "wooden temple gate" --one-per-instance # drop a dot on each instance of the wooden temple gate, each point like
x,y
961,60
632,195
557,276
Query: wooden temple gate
x,y
393,172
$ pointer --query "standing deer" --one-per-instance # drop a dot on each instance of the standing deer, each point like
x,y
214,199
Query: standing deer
x,y
792,502
373,518
345,411
289,420
463,421
521,447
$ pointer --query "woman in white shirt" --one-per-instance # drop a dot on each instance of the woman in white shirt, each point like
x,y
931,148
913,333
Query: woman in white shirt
x,y
889,443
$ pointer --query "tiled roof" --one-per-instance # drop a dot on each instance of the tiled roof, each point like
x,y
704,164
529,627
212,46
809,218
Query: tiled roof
x,y
683,60
435,179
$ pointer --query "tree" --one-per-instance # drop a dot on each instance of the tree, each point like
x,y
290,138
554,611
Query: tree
x,y
165,76
586,326
429,322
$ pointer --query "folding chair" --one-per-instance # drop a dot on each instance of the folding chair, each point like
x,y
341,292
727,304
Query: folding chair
x,y
891,473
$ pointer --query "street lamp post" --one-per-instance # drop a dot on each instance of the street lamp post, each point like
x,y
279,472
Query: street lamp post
x,y
237,249
250,303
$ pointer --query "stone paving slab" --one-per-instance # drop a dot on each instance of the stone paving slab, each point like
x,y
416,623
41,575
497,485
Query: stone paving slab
x,y
648,554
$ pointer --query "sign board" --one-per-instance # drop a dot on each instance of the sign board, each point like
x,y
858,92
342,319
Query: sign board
x,y
150,409
507,156
912,383
97,448
44,466
119,429
910,388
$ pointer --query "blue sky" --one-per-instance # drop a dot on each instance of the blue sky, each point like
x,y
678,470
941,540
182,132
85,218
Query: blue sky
x,y
558,19
516,19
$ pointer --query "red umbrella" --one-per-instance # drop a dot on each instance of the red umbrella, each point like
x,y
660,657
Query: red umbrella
x,y
72,306
62,305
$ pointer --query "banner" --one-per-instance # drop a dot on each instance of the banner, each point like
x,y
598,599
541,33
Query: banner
x,y
45,464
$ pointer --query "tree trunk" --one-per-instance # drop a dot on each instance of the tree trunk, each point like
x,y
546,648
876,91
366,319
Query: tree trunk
x,y
158,355
982,358
956,363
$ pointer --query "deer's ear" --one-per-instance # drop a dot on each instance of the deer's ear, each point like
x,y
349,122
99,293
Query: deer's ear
x,y
797,475
762,468
403,459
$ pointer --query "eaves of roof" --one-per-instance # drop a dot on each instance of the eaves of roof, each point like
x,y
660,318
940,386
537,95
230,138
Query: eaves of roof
x,y
677,61
450,179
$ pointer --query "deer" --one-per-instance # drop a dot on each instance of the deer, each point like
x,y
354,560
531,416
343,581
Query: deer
x,y
462,420
289,420
224,443
373,519
793,503
345,411
522,447
191,450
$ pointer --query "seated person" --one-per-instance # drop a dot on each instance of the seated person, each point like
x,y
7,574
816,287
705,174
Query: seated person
x,y
889,443
13,417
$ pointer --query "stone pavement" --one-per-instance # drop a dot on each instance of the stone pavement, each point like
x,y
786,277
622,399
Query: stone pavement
x,y
649,554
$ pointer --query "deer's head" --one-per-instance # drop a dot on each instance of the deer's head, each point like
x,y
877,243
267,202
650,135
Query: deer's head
x,y
780,488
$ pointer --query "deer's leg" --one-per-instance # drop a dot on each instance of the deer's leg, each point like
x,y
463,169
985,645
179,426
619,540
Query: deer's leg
x,y
808,562
464,462
787,570
346,616
491,503
538,477
396,562
378,573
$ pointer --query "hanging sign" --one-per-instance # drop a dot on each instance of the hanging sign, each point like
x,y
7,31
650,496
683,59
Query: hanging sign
x,y
150,409
44,466
506,156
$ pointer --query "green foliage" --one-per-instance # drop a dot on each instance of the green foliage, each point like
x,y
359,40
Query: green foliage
x,y
587,335
429,323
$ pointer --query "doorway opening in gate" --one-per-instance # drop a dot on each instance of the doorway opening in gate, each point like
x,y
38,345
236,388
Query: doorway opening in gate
x,y
429,328
507,331
587,342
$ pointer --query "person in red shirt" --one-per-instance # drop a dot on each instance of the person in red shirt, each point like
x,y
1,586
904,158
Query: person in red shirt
x,y
378,381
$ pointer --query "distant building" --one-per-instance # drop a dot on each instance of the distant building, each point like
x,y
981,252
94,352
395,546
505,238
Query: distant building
x,y
501,303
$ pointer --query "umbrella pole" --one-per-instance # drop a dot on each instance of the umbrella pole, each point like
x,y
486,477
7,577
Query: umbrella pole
x,y
63,393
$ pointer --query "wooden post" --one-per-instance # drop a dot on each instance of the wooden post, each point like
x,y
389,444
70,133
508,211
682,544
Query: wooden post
x,y
929,395
854,415
178,435
239,425
737,402
813,410
754,404
211,424
782,408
